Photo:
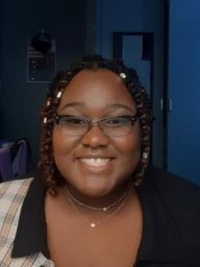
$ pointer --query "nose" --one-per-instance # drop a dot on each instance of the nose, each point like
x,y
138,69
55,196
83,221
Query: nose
x,y
95,137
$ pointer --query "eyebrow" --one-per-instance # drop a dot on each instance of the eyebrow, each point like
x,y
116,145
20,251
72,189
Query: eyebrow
x,y
110,107
119,105
72,104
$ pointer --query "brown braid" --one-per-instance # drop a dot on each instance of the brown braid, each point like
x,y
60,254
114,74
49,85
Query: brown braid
x,y
46,163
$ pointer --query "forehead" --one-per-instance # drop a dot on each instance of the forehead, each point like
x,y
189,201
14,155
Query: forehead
x,y
96,88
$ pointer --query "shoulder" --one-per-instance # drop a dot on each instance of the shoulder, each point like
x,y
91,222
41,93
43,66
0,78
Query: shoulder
x,y
13,193
182,201
14,186
179,194
19,186
173,186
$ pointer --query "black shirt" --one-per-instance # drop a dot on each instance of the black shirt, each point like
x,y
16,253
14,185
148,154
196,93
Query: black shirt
x,y
171,221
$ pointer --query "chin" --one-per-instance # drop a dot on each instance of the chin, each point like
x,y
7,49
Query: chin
x,y
95,192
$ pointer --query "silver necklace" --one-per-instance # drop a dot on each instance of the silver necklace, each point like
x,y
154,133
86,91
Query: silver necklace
x,y
95,224
105,208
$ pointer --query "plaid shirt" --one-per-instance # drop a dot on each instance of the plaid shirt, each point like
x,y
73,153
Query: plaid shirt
x,y
12,195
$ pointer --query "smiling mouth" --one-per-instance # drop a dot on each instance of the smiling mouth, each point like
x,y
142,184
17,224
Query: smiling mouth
x,y
95,162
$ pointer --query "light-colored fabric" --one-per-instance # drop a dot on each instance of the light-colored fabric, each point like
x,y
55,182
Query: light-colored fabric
x,y
12,195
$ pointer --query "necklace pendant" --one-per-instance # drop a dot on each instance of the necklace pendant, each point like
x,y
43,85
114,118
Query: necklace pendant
x,y
105,209
93,225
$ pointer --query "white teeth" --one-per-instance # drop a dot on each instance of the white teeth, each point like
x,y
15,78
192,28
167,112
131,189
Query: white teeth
x,y
95,161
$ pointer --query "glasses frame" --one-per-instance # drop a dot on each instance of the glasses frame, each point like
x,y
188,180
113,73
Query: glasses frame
x,y
99,122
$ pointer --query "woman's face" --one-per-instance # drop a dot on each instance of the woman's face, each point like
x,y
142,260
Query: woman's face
x,y
95,164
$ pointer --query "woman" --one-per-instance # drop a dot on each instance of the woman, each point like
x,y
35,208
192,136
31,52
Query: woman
x,y
94,201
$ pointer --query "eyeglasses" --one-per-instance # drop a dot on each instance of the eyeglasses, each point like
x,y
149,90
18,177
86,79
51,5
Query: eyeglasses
x,y
111,126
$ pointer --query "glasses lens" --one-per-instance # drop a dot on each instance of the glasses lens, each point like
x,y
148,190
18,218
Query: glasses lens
x,y
112,126
116,126
73,125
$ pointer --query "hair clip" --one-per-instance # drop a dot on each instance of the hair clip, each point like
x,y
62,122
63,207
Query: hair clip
x,y
48,102
137,183
122,75
59,94
145,155
45,120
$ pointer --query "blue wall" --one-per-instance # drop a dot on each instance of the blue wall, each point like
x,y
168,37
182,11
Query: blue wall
x,y
65,21
72,25
184,89
137,16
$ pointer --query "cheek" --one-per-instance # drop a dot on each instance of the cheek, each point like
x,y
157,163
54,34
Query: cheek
x,y
130,149
62,145
129,153
131,143
63,149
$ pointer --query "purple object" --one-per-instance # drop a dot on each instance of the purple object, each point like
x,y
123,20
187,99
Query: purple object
x,y
13,160
6,171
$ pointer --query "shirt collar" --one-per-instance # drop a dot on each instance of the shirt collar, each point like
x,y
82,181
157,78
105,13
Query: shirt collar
x,y
159,243
31,232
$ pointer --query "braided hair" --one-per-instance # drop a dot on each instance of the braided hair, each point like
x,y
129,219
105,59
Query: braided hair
x,y
59,83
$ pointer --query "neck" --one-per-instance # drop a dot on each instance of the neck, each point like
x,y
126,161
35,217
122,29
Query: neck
x,y
104,202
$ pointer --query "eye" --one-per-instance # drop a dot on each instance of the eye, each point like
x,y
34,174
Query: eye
x,y
72,121
116,121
